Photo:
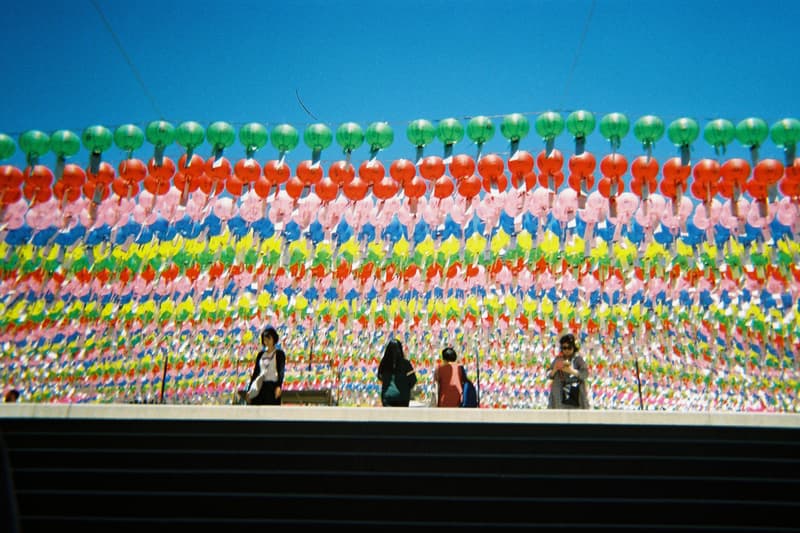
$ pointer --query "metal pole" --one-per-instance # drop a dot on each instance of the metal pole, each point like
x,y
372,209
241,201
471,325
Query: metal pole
x,y
164,375
639,384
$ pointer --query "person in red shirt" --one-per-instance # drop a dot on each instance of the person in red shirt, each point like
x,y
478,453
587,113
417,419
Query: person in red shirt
x,y
448,380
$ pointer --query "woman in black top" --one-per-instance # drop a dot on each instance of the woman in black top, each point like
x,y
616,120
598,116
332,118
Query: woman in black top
x,y
397,376
268,371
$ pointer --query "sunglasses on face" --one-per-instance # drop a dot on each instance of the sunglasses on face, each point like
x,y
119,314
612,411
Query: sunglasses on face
x,y
566,347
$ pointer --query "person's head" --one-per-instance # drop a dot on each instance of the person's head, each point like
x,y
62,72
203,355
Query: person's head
x,y
394,351
567,345
12,396
271,334
449,354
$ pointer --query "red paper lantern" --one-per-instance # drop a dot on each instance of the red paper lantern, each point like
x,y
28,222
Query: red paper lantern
x,y
356,189
768,171
308,172
193,167
247,170
385,188
163,172
294,187
415,187
276,172
469,187
432,167
341,172
582,164
443,187
326,189
550,163
462,166
706,170
614,165
371,171
133,170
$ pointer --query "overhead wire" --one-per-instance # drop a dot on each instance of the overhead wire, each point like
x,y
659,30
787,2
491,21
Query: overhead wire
x,y
128,60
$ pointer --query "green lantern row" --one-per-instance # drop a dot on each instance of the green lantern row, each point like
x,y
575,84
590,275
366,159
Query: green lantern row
x,y
750,133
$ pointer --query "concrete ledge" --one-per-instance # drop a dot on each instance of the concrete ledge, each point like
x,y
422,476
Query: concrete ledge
x,y
381,414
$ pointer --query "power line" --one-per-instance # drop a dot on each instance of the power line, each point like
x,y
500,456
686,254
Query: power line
x,y
128,60
578,50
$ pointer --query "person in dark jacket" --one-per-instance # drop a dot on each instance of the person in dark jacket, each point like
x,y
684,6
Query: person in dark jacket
x,y
396,375
268,372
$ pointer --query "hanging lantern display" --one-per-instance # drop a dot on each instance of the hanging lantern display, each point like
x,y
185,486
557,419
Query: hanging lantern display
x,y
690,267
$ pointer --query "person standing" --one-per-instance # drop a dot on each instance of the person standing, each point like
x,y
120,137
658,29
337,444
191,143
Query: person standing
x,y
268,372
448,382
568,372
396,375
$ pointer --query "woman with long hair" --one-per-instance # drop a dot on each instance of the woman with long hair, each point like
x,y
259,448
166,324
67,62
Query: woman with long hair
x,y
396,375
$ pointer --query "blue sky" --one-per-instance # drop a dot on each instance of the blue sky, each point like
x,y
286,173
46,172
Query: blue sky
x,y
246,61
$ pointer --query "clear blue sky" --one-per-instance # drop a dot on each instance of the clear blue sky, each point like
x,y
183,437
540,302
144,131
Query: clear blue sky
x,y
243,61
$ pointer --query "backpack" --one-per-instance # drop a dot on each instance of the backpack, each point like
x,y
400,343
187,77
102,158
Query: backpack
x,y
469,394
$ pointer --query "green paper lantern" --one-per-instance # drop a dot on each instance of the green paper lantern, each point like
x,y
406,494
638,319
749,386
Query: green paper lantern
x,y
160,133
450,131
190,135
683,131
515,127
7,146
97,139
65,143
614,127
253,136
480,129
34,144
420,132
648,129
379,136
128,138
317,137
284,138
581,124
549,125
719,133
785,133
752,132
220,135
349,136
